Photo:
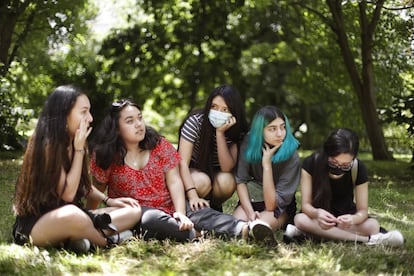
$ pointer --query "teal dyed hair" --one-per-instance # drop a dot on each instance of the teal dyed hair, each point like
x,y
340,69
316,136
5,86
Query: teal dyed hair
x,y
261,119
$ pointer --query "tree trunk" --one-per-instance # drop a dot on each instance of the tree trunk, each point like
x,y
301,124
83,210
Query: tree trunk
x,y
7,24
10,12
364,86
367,96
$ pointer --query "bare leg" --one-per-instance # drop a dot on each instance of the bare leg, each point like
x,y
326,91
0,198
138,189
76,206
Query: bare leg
x,y
359,232
123,218
275,223
239,213
67,222
223,187
202,182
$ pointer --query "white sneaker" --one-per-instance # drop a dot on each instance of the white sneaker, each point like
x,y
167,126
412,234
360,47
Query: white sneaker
x,y
391,238
79,246
292,231
293,234
262,232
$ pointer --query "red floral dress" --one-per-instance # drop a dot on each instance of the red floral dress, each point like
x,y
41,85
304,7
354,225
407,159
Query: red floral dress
x,y
147,185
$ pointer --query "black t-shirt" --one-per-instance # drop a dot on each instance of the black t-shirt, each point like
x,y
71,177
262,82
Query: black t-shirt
x,y
342,200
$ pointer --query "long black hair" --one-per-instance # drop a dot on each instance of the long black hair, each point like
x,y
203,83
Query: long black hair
x,y
236,133
47,154
342,140
107,144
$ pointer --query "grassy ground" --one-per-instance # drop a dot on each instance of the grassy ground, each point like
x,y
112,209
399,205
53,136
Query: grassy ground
x,y
391,201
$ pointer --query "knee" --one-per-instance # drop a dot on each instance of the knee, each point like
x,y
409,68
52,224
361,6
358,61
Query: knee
x,y
203,184
73,216
300,221
134,211
225,183
152,215
373,226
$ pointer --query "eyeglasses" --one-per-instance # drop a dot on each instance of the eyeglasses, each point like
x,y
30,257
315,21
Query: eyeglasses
x,y
334,164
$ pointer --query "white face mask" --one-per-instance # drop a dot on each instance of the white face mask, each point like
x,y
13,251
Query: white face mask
x,y
217,118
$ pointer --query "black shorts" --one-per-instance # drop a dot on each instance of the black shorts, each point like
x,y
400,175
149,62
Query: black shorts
x,y
22,228
290,209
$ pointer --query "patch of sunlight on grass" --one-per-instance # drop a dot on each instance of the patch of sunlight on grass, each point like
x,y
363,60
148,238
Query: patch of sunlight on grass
x,y
24,260
319,261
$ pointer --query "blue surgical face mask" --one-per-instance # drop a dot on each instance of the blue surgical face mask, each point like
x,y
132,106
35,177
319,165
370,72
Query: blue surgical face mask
x,y
217,118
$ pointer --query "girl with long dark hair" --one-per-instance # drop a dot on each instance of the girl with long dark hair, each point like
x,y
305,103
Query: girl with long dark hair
x,y
209,145
334,205
54,179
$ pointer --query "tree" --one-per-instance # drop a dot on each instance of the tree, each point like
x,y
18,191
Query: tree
x,y
180,50
359,63
36,24
30,30
401,111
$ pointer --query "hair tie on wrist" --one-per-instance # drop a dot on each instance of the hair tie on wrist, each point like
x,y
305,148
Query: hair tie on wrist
x,y
189,189
105,200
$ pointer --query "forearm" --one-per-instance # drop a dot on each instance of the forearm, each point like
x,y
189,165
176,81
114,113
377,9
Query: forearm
x,y
244,198
361,201
189,185
309,210
360,216
269,190
226,160
96,195
69,182
178,197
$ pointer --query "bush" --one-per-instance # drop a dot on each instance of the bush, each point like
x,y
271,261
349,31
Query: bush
x,y
9,118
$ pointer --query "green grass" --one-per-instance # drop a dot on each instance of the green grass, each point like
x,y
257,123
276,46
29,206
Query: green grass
x,y
391,201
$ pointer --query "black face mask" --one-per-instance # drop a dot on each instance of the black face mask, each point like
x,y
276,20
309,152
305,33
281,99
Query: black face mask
x,y
336,171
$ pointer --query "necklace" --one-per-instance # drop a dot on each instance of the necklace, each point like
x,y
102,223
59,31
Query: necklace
x,y
134,163
137,161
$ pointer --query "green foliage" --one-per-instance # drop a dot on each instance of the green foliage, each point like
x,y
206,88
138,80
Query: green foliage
x,y
37,30
401,112
171,54
319,81
10,115
274,53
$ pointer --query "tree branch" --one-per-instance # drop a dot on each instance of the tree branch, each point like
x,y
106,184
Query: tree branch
x,y
405,7
22,36
316,12
375,18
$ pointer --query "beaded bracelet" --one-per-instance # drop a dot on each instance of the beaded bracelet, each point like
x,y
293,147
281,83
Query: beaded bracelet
x,y
80,150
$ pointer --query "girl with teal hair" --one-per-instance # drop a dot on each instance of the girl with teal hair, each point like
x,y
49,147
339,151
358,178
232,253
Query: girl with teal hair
x,y
268,170
262,118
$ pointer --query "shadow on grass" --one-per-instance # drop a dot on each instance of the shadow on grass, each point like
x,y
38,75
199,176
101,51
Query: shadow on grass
x,y
391,202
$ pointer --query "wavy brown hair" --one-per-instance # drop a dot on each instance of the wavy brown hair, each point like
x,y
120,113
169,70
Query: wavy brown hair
x,y
108,145
46,155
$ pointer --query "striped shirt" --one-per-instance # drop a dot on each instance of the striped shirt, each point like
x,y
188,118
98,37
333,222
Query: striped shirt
x,y
191,131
